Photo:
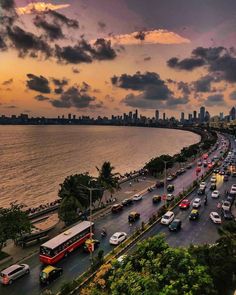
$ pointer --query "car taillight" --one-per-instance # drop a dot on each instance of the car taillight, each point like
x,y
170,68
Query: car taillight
x,y
5,280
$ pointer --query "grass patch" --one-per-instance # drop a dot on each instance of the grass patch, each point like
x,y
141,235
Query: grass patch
x,y
3,255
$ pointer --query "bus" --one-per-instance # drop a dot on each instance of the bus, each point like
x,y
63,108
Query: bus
x,y
60,246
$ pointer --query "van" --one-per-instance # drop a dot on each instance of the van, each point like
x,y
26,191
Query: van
x,y
13,272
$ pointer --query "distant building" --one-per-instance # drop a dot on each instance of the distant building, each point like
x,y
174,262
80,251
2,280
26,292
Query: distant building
x,y
202,115
221,116
194,115
232,113
182,117
207,117
69,116
164,116
157,115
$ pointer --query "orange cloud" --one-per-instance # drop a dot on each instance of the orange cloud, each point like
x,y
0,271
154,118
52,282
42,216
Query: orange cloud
x,y
148,37
39,7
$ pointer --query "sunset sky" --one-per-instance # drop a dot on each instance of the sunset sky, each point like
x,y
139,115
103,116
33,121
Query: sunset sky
x,y
103,57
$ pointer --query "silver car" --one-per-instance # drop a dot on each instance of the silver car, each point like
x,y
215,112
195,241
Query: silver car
x,y
13,272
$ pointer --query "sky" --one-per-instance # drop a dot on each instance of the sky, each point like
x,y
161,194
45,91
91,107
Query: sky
x,y
103,57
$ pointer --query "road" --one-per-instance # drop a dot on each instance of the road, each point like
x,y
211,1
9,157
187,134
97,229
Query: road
x,y
196,232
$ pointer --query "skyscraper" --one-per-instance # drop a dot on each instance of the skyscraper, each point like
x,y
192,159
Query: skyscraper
x,y
157,115
232,113
164,116
202,114
182,117
195,115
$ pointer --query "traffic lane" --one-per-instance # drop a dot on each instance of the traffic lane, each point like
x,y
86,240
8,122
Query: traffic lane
x,y
75,268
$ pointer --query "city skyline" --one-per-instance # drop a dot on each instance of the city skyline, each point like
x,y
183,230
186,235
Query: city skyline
x,y
77,56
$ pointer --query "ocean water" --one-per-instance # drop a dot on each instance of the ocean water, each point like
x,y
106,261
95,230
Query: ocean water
x,y
34,160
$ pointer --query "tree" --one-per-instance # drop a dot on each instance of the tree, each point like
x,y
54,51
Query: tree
x,y
107,179
157,165
76,196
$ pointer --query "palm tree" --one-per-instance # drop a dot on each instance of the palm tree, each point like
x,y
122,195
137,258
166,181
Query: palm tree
x,y
107,179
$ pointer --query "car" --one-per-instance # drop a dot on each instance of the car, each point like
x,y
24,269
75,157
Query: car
x,y
150,189
194,215
201,191
233,186
202,185
199,163
234,174
127,202
170,197
226,177
227,215
215,217
117,238
216,171
198,169
196,203
169,178
226,205
182,170
222,172
13,272
167,218
189,166
137,198
205,163
170,188
91,244
159,184
156,199
230,199
133,216
49,274
232,191
175,225
116,208
213,179
228,172
121,259
185,204
213,186
215,194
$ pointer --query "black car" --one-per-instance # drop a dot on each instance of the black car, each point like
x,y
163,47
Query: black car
x,y
201,191
170,188
227,215
127,202
213,187
159,184
234,174
230,199
156,199
49,274
175,225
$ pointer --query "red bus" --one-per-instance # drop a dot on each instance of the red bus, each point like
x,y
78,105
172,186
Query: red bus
x,y
58,247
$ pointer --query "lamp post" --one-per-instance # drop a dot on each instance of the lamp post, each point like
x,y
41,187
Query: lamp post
x,y
90,189
165,180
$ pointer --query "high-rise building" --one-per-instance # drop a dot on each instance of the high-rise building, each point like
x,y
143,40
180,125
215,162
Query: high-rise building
x,y
207,117
232,113
164,116
202,114
190,117
221,116
69,116
157,115
182,117
194,115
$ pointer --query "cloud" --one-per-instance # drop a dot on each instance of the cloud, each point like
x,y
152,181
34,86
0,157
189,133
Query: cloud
x,y
83,52
39,7
10,107
213,100
184,87
148,37
7,4
75,70
185,64
52,30
233,95
63,20
41,97
75,96
148,58
7,82
38,83
27,42
60,84
101,26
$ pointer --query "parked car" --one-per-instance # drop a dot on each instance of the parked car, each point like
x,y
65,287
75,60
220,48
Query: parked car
x,y
226,205
91,242
156,199
49,274
117,238
170,188
133,216
126,202
194,215
196,203
227,215
137,198
13,272
185,204
116,208
215,194
175,225
215,217
167,218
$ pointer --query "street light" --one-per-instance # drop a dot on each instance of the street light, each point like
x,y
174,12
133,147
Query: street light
x,y
90,189
165,181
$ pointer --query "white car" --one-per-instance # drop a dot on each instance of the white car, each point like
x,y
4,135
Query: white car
x,y
233,191
137,197
13,272
202,185
226,205
170,197
196,203
117,238
167,218
215,194
215,217
213,179
233,187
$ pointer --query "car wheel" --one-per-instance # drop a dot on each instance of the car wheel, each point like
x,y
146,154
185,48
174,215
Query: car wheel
x,y
10,282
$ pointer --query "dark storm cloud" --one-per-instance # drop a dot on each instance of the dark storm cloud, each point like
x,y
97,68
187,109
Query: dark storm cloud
x,y
203,84
62,19
3,45
174,102
26,42
41,97
85,52
38,83
150,82
184,87
52,30
188,64
60,85
208,54
233,95
7,4
74,96
7,82
214,100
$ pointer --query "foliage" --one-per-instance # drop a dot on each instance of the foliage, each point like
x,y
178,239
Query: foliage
x,y
157,165
13,223
107,179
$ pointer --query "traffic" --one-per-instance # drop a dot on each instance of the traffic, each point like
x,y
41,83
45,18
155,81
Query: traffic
x,y
67,255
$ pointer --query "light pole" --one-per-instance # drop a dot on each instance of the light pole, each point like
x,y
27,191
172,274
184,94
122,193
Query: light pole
x,y
91,189
165,181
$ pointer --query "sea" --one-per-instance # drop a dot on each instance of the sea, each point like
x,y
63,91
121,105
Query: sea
x,y
34,160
